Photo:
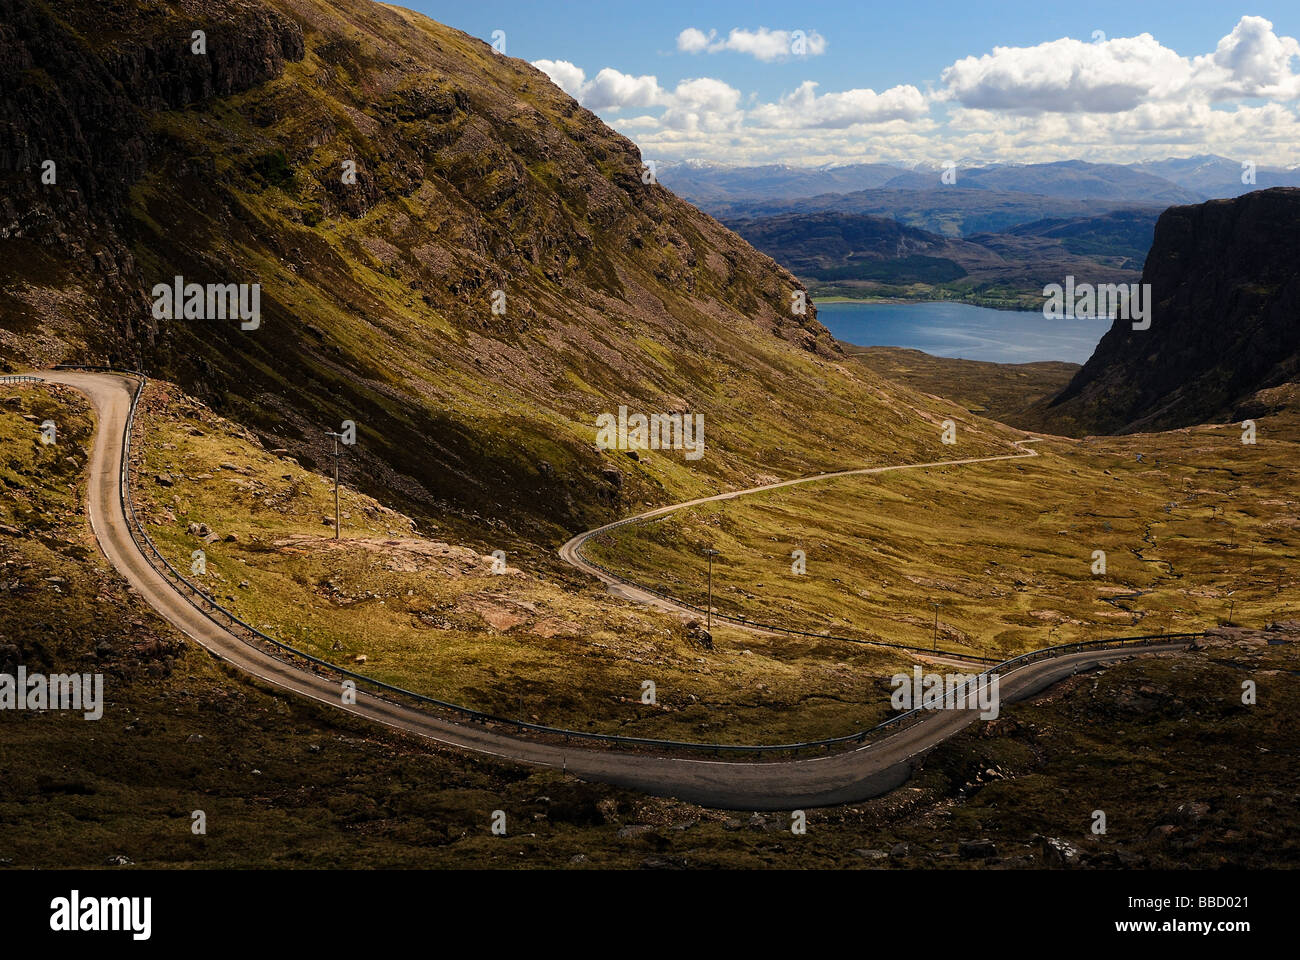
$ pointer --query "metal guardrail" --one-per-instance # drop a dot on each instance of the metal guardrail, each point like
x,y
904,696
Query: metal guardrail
x,y
199,598
20,378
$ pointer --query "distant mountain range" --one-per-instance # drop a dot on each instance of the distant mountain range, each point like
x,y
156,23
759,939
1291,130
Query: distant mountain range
x,y
949,211
1218,177
993,234
1068,180
705,185
1156,183
855,255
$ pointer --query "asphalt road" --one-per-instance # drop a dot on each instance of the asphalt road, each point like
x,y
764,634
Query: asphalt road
x,y
776,785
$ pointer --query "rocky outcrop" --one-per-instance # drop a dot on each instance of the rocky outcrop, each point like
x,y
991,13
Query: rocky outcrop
x,y
1225,324
82,80
82,83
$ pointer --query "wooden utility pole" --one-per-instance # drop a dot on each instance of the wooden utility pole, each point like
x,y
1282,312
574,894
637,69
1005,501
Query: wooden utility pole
x,y
710,553
337,437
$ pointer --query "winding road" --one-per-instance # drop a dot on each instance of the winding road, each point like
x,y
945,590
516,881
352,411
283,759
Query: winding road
x,y
849,776
572,554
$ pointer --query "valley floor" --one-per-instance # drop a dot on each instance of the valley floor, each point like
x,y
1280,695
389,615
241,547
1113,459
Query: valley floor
x,y
284,784
1104,537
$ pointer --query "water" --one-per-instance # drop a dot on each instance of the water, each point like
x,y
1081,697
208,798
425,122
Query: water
x,y
947,329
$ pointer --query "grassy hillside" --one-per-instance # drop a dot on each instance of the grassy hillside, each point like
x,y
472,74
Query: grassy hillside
x,y
1196,528
1005,392
285,784
474,174
536,641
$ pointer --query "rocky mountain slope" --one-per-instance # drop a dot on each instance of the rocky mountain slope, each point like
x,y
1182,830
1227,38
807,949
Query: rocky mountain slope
x,y
1224,340
478,184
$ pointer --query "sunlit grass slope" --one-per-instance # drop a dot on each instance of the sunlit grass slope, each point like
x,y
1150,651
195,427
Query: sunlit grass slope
x,y
1195,526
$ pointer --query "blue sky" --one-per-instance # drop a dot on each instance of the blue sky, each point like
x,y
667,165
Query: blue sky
x,y
919,81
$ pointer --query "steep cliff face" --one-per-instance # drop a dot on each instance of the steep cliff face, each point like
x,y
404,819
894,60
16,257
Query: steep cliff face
x,y
1225,324
81,82
496,274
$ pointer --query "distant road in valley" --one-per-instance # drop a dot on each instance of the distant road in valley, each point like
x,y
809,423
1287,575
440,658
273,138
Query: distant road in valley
x,y
624,587
844,777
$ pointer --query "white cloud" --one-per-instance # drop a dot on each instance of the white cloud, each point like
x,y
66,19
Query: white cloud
x,y
1114,76
707,94
700,104
609,90
564,75
1252,61
1068,76
1116,100
1265,134
762,44
803,109
692,40
703,104
612,90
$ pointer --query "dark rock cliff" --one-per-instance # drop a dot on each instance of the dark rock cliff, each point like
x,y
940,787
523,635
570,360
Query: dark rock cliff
x,y
1225,323
81,82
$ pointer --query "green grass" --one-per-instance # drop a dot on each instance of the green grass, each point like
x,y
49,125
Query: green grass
x,y
1006,548
287,784
539,642
1010,393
